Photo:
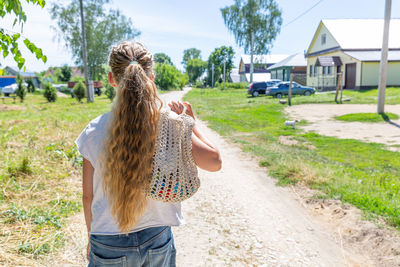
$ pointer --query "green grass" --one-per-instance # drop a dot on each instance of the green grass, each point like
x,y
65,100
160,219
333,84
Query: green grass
x,y
356,97
40,171
368,117
363,174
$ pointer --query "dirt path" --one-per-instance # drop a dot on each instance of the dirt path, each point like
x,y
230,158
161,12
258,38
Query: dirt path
x,y
240,218
321,120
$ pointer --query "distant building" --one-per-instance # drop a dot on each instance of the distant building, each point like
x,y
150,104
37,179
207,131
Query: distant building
x,y
261,64
235,76
353,47
295,64
12,73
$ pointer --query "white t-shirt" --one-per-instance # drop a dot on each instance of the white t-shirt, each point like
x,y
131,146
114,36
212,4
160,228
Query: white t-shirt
x,y
90,145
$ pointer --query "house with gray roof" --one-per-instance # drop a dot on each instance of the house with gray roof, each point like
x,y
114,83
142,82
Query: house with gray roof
x,y
293,64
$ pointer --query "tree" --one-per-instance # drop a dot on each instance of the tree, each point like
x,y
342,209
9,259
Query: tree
x,y
162,59
110,92
195,68
9,39
168,77
79,91
31,85
217,57
190,54
21,90
50,92
103,29
66,73
255,24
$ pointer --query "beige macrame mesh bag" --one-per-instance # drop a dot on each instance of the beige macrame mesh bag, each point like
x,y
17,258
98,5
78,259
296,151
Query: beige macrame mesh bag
x,y
175,176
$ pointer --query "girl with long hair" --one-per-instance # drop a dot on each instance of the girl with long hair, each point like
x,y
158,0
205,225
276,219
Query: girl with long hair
x,y
125,226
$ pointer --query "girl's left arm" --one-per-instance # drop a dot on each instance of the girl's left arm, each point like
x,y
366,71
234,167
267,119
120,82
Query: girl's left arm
x,y
87,194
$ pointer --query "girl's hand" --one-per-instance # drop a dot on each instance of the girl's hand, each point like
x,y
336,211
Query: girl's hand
x,y
179,107
189,110
176,107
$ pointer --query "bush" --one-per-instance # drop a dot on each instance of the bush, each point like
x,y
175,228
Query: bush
x,y
241,85
31,86
50,92
110,92
21,91
169,78
79,91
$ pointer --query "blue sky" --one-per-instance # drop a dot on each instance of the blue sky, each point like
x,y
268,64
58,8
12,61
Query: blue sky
x,y
175,25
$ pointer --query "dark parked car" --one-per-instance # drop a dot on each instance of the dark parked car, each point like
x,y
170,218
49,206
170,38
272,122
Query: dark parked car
x,y
258,88
282,89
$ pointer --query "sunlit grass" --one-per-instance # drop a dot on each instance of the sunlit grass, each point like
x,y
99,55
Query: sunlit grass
x,y
364,174
368,117
40,172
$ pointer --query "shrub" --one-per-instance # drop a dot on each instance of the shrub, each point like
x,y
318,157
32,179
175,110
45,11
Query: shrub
x,y
241,85
79,91
168,77
50,92
31,86
110,92
21,91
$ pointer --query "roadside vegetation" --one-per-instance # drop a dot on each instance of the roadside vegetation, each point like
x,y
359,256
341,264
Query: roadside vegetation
x,y
40,172
368,117
363,174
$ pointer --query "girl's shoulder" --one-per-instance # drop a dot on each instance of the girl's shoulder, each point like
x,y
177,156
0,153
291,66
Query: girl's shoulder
x,y
99,124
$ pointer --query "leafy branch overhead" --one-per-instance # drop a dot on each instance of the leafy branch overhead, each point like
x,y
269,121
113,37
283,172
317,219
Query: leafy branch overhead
x,y
9,39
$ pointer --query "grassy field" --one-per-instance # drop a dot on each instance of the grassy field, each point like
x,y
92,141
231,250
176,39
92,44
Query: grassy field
x,y
363,174
40,172
368,117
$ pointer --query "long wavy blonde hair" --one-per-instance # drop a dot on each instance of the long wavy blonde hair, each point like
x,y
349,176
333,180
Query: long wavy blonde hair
x,y
130,145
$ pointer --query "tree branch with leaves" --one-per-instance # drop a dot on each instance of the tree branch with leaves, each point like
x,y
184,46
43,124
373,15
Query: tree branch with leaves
x,y
9,39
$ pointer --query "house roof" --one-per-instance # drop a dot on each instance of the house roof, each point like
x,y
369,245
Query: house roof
x,y
263,59
15,71
327,61
373,55
362,33
291,61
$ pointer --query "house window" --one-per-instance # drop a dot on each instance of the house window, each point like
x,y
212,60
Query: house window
x,y
315,70
329,70
310,71
323,70
323,39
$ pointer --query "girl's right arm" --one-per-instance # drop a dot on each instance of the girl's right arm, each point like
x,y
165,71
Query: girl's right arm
x,y
205,154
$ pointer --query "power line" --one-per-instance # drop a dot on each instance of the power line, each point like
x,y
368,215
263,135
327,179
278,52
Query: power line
x,y
302,14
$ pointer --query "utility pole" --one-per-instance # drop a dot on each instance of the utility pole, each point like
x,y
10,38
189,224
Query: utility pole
x,y
212,75
224,70
384,59
251,57
89,84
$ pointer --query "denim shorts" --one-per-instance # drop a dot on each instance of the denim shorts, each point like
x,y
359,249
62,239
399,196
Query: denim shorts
x,y
152,247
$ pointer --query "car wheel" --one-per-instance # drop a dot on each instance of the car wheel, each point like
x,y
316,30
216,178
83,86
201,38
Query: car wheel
x,y
255,93
307,93
278,95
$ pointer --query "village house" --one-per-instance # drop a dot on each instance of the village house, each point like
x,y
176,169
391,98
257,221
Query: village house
x,y
11,76
353,47
294,64
261,64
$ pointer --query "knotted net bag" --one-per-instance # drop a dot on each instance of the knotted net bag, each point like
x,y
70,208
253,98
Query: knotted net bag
x,y
174,176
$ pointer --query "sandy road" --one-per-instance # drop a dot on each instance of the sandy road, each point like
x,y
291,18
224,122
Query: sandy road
x,y
237,218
